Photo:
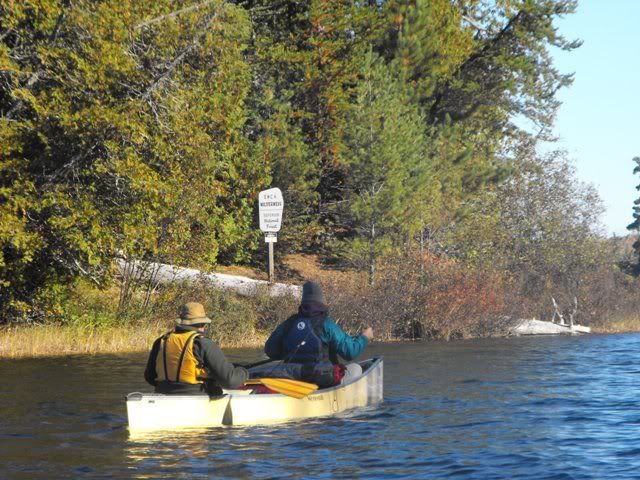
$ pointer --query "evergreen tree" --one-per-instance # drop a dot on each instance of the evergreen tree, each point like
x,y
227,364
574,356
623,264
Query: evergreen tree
x,y
509,70
306,62
635,225
384,148
474,67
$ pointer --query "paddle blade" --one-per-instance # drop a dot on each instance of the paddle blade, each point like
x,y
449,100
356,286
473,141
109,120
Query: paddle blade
x,y
286,386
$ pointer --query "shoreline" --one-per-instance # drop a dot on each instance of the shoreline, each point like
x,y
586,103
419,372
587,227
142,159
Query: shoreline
x,y
33,341
92,321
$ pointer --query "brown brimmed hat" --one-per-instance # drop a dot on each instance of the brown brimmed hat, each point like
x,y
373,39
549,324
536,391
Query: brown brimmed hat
x,y
192,313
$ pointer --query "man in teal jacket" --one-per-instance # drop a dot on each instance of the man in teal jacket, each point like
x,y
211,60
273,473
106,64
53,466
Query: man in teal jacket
x,y
312,342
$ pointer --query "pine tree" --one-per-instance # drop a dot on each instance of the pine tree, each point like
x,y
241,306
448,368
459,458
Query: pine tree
x,y
474,67
306,63
635,225
384,147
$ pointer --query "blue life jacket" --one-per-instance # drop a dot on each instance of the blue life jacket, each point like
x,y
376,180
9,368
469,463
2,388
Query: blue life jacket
x,y
301,342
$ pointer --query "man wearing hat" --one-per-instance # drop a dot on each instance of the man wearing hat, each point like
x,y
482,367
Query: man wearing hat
x,y
184,361
310,342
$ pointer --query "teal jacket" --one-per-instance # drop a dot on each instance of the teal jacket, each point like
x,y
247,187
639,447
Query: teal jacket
x,y
338,342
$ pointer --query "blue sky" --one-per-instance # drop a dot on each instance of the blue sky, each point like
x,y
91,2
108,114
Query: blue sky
x,y
598,123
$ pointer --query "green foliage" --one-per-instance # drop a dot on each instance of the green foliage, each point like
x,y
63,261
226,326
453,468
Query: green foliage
x,y
88,307
123,133
147,129
635,225
233,318
540,226
307,57
384,166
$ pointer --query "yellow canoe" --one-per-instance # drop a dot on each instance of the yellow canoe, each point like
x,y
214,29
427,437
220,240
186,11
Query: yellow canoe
x,y
149,412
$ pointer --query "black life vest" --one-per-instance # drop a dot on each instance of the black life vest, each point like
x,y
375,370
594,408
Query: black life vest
x,y
301,342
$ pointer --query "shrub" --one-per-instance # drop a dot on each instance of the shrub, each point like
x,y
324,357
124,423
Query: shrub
x,y
424,298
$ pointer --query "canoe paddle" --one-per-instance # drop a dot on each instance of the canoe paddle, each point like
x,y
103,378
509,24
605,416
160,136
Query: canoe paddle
x,y
254,364
286,386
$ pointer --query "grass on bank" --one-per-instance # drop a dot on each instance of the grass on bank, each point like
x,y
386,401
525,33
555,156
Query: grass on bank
x,y
52,340
92,323
627,325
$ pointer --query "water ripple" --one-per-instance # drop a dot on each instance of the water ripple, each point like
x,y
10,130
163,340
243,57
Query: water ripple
x,y
524,408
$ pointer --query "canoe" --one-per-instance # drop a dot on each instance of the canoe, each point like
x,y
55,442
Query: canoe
x,y
153,411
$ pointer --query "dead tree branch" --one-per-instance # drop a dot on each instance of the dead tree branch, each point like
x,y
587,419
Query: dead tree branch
x,y
178,60
557,312
573,313
174,14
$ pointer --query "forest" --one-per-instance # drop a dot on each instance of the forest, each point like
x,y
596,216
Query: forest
x,y
412,139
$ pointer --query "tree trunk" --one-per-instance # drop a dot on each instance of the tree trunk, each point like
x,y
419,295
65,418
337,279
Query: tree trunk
x,y
372,256
422,249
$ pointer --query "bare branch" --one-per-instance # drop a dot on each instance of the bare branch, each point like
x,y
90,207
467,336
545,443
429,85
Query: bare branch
x,y
174,14
69,166
178,60
4,34
575,309
30,83
474,24
557,312
86,273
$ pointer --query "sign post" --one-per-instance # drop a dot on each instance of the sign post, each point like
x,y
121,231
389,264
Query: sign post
x,y
270,205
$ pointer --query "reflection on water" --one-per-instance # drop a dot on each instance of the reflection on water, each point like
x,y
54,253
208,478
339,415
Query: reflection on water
x,y
554,407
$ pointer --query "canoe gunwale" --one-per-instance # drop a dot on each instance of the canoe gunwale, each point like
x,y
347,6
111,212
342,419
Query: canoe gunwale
x,y
373,362
143,409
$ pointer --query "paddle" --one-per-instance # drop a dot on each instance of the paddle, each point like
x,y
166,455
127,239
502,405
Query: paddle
x,y
254,364
286,386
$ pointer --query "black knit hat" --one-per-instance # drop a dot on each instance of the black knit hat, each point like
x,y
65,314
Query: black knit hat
x,y
312,292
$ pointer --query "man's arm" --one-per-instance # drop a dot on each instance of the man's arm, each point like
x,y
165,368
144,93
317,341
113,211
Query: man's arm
x,y
220,369
150,373
346,346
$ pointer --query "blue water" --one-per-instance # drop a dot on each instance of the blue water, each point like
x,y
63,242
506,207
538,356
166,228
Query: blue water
x,y
518,408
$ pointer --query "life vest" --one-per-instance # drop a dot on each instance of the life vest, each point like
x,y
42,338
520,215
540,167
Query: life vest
x,y
176,362
301,342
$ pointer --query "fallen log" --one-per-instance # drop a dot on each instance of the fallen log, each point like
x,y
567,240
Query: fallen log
x,y
540,327
160,274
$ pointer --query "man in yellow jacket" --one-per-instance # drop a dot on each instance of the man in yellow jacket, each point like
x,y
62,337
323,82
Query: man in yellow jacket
x,y
184,361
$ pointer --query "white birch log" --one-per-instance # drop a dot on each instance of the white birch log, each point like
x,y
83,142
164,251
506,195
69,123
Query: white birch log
x,y
164,274
540,327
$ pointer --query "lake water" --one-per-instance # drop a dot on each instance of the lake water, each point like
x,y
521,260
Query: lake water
x,y
534,408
